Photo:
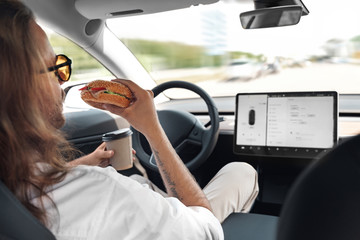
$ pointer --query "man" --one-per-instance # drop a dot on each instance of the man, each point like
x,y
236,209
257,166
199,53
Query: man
x,y
90,202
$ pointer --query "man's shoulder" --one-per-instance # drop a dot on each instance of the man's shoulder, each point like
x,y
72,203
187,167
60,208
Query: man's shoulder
x,y
90,177
86,169
93,172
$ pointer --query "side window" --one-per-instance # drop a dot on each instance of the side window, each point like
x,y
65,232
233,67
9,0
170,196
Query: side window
x,y
85,68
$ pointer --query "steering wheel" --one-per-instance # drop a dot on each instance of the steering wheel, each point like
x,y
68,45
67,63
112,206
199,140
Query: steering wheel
x,y
192,141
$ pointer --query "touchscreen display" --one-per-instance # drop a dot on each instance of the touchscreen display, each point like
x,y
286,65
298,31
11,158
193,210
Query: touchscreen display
x,y
299,124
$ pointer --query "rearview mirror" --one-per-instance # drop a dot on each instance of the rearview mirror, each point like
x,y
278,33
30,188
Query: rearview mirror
x,y
271,17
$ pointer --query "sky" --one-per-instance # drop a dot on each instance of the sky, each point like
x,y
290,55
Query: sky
x,y
327,19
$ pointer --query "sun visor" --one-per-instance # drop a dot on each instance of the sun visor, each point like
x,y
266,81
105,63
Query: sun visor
x,y
95,9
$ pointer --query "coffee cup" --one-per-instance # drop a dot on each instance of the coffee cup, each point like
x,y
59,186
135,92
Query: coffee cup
x,y
120,142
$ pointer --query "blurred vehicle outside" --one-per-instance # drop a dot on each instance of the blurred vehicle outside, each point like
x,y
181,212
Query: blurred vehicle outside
x,y
244,69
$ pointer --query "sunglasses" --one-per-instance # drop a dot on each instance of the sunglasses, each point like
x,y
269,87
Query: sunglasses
x,y
62,68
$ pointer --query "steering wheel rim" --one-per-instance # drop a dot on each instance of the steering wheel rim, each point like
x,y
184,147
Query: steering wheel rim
x,y
195,133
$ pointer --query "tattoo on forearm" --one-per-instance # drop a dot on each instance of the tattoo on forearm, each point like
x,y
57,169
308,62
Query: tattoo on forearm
x,y
169,181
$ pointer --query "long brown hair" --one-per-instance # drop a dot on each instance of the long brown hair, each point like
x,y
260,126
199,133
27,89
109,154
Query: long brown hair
x,y
27,138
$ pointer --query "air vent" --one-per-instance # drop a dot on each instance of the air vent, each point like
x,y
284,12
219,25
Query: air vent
x,y
123,13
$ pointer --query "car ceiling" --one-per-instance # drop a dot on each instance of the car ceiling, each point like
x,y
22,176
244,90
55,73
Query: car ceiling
x,y
94,9
83,20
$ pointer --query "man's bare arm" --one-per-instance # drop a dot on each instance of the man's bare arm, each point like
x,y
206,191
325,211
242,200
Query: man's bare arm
x,y
178,180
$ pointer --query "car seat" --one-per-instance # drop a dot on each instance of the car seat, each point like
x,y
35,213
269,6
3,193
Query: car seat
x,y
324,203
16,222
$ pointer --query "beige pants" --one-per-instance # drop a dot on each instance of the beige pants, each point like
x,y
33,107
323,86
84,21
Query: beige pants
x,y
233,189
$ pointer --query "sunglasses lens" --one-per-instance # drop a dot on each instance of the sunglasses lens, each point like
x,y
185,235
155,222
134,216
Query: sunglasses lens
x,y
65,71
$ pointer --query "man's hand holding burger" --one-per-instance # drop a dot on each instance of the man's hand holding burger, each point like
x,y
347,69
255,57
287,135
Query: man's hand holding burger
x,y
124,98
141,112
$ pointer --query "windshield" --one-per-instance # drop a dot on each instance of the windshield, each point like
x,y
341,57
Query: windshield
x,y
206,45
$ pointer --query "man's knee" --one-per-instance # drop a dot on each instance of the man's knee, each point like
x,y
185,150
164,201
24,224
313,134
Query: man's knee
x,y
233,189
240,172
243,177
244,183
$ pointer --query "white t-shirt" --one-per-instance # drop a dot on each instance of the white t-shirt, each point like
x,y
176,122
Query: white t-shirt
x,y
99,203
